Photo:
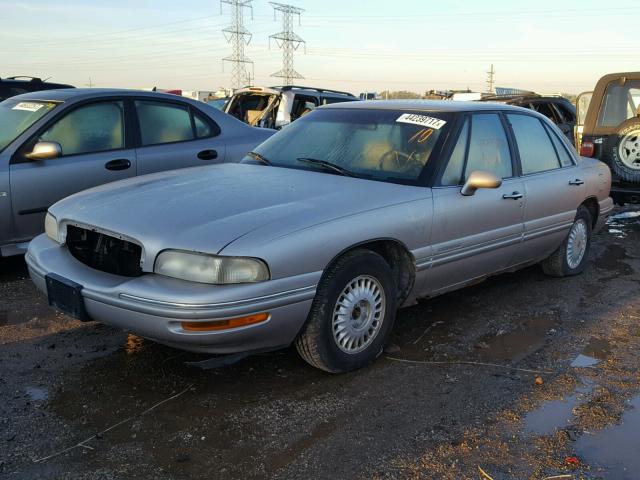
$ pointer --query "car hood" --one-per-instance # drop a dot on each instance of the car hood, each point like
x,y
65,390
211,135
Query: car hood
x,y
206,208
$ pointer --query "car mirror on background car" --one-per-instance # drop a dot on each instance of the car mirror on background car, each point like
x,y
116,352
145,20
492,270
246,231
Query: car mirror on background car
x,y
479,179
45,151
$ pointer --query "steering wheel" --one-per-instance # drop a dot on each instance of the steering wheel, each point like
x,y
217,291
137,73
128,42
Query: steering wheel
x,y
395,160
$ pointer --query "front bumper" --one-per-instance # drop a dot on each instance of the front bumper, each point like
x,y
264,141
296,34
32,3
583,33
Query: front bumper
x,y
154,306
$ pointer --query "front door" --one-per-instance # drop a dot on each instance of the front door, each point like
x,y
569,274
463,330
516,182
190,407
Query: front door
x,y
173,135
474,236
94,152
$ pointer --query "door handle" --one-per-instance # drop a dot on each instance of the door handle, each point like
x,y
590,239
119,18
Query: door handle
x,y
513,196
208,155
119,164
577,181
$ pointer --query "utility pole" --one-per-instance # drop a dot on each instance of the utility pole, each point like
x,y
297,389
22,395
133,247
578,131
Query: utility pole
x,y
287,40
90,84
490,80
238,36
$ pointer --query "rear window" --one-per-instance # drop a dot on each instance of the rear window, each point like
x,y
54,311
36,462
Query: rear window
x,y
16,116
620,103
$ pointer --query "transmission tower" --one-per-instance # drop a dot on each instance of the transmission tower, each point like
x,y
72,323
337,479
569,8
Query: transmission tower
x,y
238,36
490,80
287,40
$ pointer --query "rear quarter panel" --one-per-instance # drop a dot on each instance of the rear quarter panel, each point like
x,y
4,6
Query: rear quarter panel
x,y
597,178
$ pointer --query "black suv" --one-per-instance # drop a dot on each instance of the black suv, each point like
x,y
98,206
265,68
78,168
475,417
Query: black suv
x,y
556,108
12,86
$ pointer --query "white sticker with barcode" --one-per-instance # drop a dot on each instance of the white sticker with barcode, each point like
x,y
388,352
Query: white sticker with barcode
x,y
28,106
422,120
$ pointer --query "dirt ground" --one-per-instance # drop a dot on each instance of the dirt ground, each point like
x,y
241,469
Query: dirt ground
x,y
521,377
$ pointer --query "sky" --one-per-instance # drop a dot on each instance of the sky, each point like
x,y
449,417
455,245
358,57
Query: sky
x,y
374,45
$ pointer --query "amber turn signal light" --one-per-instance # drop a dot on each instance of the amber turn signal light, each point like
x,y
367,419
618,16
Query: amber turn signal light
x,y
225,324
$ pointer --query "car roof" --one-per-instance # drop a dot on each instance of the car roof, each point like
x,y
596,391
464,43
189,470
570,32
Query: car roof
x,y
65,94
426,106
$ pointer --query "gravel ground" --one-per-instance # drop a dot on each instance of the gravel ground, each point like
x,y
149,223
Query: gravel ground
x,y
523,376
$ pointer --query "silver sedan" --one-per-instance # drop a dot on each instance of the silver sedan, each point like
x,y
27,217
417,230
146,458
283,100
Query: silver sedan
x,y
58,142
325,230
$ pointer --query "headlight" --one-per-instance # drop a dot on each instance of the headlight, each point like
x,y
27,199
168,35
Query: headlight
x,y
51,227
203,268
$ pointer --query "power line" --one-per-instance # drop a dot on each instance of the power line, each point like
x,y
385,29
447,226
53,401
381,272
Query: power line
x,y
287,40
238,36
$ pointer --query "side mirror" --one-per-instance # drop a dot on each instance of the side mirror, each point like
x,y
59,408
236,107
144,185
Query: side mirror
x,y
45,151
479,179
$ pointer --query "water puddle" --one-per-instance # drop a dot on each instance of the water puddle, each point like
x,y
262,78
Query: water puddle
x,y
615,446
518,344
624,224
37,394
554,414
595,351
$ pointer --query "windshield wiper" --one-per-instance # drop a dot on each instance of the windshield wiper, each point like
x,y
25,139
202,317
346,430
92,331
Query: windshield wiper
x,y
260,158
328,166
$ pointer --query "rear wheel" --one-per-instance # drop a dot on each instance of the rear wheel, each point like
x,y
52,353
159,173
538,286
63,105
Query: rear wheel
x,y
571,257
352,314
625,151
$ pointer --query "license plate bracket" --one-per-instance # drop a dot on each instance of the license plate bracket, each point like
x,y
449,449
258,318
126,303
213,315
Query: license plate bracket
x,y
66,296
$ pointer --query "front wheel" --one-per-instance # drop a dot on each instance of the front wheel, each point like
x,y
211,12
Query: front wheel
x,y
571,257
352,314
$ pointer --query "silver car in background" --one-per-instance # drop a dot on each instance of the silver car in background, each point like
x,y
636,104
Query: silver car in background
x,y
325,230
57,142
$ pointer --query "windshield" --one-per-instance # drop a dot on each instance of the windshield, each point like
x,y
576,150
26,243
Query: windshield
x,y
386,145
16,116
620,103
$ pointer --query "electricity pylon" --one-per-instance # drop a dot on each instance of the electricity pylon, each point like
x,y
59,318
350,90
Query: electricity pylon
x,y
287,40
238,36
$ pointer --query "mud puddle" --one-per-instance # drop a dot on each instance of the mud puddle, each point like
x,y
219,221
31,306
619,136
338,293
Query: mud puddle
x,y
616,447
529,337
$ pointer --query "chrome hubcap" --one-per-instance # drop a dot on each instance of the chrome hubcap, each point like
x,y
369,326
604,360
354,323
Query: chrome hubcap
x,y
629,150
358,314
577,243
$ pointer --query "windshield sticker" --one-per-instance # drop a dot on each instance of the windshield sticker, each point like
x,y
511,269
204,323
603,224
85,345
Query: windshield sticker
x,y
28,106
421,135
422,120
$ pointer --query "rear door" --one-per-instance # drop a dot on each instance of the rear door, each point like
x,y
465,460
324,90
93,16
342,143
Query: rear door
x,y
554,185
95,150
175,135
476,235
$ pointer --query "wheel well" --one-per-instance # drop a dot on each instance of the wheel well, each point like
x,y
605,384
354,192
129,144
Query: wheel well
x,y
594,209
400,261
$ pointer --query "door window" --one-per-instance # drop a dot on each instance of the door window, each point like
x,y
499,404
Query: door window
x,y
537,153
203,128
566,160
97,127
162,122
453,173
302,104
488,147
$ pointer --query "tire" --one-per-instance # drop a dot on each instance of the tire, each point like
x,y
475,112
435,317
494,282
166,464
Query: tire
x,y
370,275
624,149
561,263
